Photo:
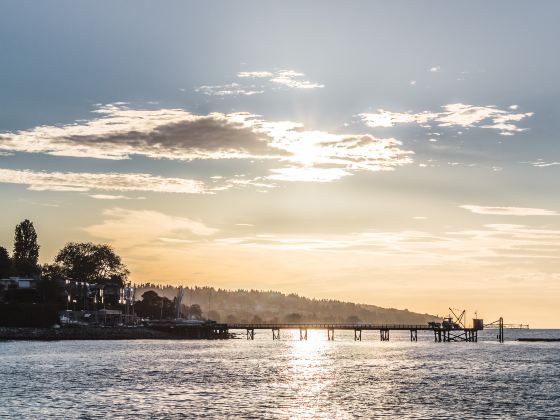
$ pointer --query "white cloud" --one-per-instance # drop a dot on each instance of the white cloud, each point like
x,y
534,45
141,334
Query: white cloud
x,y
255,74
509,211
308,174
413,82
492,244
435,69
544,164
286,78
128,228
121,132
232,89
74,181
109,197
453,115
384,118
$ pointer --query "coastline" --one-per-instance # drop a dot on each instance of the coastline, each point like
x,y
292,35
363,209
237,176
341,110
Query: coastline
x,y
91,333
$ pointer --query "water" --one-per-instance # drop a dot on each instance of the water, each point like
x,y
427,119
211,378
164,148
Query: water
x,y
282,379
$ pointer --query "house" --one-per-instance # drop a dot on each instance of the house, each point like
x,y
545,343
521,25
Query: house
x,y
18,283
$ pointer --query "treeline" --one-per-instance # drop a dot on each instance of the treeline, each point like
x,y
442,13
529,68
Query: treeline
x,y
271,306
74,279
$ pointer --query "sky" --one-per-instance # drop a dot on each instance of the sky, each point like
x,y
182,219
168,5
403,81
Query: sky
x,y
402,154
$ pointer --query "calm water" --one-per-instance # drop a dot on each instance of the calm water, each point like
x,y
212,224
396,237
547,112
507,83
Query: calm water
x,y
281,379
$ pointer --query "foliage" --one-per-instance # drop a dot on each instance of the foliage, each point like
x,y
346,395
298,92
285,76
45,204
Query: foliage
x,y
242,305
293,318
92,263
154,307
51,286
194,312
5,263
26,249
353,319
214,316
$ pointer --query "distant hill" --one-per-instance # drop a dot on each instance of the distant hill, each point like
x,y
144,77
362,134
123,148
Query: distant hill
x,y
269,306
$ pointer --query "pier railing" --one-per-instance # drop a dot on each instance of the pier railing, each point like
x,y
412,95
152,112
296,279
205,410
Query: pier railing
x,y
442,333
318,326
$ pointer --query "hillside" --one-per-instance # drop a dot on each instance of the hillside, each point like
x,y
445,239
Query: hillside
x,y
269,306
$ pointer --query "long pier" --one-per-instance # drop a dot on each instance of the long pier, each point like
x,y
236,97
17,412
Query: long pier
x,y
441,333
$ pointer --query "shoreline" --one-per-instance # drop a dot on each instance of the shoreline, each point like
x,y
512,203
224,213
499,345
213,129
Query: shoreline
x,y
93,333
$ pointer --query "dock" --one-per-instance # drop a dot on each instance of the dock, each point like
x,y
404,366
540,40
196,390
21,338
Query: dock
x,y
441,333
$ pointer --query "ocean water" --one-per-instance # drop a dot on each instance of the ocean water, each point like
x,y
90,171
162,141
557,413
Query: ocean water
x,y
283,379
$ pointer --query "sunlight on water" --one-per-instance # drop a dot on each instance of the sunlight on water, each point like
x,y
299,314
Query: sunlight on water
x,y
285,378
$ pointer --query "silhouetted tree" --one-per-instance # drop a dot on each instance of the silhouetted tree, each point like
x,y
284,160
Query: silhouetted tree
x,y
256,319
153,306
353,319
92,263
194,312
293,318
214,315
51,286
5,263
26,250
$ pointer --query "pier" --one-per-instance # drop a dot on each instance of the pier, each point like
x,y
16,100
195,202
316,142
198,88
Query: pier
x,y
441,333
452,329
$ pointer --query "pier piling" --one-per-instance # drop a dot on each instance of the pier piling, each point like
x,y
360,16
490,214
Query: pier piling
x,y
384,334
357,335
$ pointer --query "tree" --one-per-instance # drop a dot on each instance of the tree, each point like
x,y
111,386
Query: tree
x,y
293,318
353,319
256,320
51,286
194,312
5,263
214,315
92,263
26,249
153,306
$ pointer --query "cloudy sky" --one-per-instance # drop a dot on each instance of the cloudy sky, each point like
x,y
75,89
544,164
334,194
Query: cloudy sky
x,y
403,154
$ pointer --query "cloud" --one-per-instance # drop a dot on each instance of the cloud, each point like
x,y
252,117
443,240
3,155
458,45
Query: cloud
x,y
544,164
232,89
255,74
81,182
114,197
120,133
306,174
128,228
492,244
453,115
290,79
384,118
435,69
509,211
286,78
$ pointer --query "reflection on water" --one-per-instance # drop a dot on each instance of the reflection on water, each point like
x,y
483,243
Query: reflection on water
x,y
281,379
